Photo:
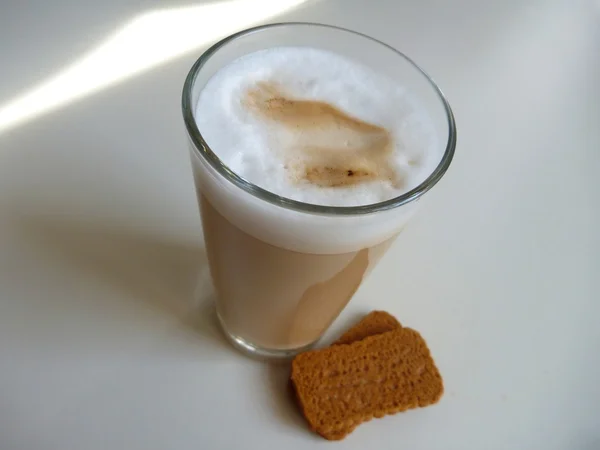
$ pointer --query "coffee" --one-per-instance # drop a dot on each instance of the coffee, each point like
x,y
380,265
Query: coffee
x,y
316,127
277,298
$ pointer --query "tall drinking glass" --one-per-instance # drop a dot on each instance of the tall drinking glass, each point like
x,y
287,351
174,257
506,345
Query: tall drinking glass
x,y
282,269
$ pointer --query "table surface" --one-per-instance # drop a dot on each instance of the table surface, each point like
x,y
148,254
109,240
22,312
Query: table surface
x,y
107,332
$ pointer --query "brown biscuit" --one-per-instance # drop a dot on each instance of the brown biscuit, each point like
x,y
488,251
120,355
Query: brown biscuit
x,y
376,322
342,386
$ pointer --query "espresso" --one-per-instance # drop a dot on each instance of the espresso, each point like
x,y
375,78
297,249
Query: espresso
x,y
276,298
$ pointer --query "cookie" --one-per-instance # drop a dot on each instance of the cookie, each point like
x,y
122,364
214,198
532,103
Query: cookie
x,y
375,322
341,386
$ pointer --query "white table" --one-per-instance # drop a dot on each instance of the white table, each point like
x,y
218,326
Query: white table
x,y
107,341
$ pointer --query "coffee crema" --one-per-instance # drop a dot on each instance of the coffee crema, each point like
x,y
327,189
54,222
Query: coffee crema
x,y
328,147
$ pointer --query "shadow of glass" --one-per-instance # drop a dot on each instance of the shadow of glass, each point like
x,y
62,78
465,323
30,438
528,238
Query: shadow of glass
x,y
168,277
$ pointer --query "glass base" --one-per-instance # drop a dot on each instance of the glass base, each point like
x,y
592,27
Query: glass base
x,y
259,352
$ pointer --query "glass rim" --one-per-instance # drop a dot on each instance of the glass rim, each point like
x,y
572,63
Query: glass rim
x,y
203,150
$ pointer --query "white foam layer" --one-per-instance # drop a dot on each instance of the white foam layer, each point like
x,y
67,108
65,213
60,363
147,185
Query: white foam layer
x,y
294,230
250,146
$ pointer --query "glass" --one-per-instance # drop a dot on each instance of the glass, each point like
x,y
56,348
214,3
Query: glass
x,y
282,269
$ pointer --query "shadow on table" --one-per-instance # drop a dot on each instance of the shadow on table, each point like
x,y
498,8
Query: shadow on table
x,y
281,398
169,277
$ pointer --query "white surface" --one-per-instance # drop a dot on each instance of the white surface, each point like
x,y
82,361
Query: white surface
x,y
101,345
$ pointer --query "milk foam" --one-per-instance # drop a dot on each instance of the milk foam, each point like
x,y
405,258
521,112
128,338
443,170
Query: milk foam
x,y
251,144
